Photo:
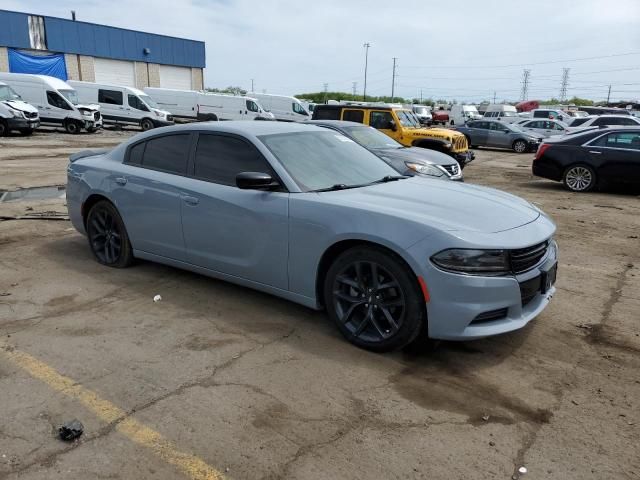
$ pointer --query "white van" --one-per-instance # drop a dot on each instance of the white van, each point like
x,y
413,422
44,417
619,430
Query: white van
x,y
461,114
123,105
284,108
56,101
15,114
504,113
202,107
423,112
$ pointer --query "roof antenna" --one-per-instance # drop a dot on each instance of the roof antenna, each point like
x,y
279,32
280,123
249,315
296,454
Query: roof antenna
x,y
73,15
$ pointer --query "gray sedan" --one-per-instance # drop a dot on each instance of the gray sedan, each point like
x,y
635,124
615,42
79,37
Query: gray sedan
x,y
491,133
406,160
545,128
307,214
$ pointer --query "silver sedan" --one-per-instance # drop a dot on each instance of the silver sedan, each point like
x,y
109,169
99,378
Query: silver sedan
x,y
546,128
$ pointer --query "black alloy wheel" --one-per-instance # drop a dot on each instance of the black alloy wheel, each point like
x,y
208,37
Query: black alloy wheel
x,y
520,146
108,237
374,299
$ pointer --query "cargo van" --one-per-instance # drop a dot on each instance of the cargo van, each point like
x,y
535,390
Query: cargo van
x,y
199,106
503,113
461,114
423,112
15,114
56,101
283,108
123,105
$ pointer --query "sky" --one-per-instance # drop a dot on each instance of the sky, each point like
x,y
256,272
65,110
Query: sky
x,y
464,50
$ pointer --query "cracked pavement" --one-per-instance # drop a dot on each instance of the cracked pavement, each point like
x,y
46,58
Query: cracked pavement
x,y
260,388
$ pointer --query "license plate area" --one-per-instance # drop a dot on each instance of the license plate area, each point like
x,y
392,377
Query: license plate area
x,y
548,278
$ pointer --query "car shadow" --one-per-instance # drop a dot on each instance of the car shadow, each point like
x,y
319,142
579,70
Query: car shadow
x,y
550,185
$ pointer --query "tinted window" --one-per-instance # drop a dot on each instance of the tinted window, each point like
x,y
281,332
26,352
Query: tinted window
x,y
57,101
627,140
380,120
251,106
168,153
136,103
135,154
219,159
111,97
495,126
482,125
579,121
540,114
353,116
327,113
298,108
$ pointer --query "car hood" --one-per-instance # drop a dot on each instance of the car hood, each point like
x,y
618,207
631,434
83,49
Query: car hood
x,y
448,206
92,107
20,105
415,155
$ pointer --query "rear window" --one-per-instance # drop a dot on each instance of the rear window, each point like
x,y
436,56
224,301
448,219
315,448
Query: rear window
x,y
326,113
168,153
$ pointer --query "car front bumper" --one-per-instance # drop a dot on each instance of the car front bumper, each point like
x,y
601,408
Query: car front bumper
x,y
464,158
22,124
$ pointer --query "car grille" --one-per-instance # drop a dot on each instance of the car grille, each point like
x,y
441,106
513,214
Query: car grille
x,y
491,316
453,169
529,289
460,143
96,116
31,114
524,259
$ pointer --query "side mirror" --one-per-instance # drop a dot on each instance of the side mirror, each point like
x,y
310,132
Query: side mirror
x,y
506,130
255,181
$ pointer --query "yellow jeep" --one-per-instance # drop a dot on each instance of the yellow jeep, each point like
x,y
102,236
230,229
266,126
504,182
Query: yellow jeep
x,y
402,125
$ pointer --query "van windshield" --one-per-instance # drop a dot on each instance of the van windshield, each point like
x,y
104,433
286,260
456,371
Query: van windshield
x,y
70,95
421,110
8,93
507,113
149,101
407,118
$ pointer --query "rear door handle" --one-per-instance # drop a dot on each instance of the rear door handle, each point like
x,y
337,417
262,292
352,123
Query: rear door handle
x,y
595,152
121,181
189,200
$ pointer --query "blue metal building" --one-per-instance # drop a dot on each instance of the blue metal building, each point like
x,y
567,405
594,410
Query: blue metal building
x,y
77,50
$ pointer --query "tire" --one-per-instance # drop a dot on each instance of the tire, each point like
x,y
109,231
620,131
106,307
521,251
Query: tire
x,y
361,306
107,235
579,178
92,129
72,127
4,129
146,124
25,132
469,142
452,123
520,146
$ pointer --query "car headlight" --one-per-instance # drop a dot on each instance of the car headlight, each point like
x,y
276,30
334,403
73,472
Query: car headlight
x,y
425,169
87,113
473,262
16,113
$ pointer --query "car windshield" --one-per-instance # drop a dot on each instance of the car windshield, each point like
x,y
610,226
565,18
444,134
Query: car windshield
x,y
322,160
7,93
149,101
70,95
372,138
421,110
508,114
407,118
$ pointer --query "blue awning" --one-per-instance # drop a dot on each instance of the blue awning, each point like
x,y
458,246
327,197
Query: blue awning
x,y
52,65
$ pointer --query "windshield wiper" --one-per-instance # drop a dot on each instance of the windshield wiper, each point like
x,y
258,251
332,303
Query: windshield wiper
x,y
389,178
333,188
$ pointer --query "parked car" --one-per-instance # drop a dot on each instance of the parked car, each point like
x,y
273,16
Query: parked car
x,y
503,113
586,160
189,105
491,133
16,114
401,125
545,128
283,107
56,101
406,160
605,110
296,211
423,112
440,116
527,106
550,114
123,105
461,114
603,121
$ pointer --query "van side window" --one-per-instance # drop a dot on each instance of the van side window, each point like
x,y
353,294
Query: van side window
x,y
252,107
353,116
299,108
136,103
56,100
112,97
327,113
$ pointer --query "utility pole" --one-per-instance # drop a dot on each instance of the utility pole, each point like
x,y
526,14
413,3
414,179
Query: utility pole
x,y
494,97
525,85
420,96
366,63
609,95
565,84
252,85
355,89
393,80
325,87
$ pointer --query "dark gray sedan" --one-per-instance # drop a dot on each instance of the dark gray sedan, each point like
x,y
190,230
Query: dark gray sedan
x,y
406,160
491,133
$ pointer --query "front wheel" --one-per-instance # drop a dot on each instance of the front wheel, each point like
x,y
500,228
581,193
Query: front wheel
x,y
72,127
519,146
4,129
579,178
146,124
25,132
374,299
108,237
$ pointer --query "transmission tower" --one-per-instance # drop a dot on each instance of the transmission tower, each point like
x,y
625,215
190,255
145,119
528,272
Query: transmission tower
x,y
524,93
355,88
325,88
565,84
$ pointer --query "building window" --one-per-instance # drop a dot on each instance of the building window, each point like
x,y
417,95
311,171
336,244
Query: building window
x,y
36,33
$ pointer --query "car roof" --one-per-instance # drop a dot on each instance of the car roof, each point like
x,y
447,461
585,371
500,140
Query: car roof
x,y
363,107
336,123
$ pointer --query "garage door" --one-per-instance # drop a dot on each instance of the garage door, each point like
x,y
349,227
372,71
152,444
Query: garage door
x,y
175,77
116,72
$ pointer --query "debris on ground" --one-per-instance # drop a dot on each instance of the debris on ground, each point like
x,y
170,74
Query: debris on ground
x,y
70,430
485,418
157,298
522,470
585,326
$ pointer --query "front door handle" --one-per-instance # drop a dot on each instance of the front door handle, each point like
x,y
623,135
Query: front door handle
x,y
189,200
121,181
595,152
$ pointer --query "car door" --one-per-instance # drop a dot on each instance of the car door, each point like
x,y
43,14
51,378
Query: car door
x,y
137,108
617,155
252,109
497,136
146,188
478,132
56,109
112,105
532,126
243,233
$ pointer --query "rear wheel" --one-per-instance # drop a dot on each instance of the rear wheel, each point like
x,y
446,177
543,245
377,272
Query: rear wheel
x,y
452,122
108,237
4,129
579,178
146,124
374,299
519,146
72,127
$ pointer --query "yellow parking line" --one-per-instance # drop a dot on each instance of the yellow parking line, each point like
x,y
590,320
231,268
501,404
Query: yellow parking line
x,y
135,431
